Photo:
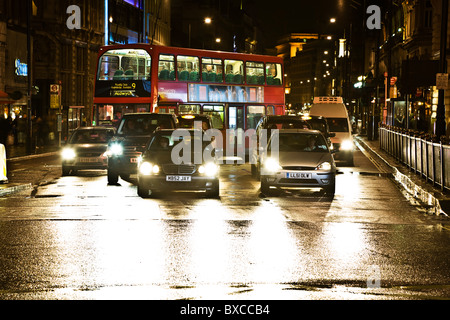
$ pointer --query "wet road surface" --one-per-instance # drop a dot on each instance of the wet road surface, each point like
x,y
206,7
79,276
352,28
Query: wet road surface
x,y
76,237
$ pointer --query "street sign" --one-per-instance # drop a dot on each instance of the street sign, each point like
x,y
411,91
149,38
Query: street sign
x,y
442,81
55,96
54,88
55,101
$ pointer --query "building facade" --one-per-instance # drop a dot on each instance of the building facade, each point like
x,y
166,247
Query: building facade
x,y
309,68
403,63
64,49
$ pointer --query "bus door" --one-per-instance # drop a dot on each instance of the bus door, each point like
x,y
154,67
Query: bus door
x,y
280,110
235,120
167,108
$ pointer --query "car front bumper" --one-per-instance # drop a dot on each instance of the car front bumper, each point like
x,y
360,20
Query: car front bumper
x,y
86,163
125,164
197,183
301,179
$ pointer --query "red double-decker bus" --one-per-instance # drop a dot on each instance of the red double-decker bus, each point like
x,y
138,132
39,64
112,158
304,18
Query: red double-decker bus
x,y
235,89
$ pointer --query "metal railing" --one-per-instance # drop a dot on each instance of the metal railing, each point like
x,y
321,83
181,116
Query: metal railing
x,y
422,153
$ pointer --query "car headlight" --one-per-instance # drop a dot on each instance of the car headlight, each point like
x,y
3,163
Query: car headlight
x,y
346,145
210,169
272,165
146,168
68,154
324,166
116,149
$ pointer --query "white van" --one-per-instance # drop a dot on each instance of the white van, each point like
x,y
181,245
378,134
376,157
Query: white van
x,y
334,110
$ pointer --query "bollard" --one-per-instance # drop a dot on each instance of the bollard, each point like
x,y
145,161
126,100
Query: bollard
x,y
3,177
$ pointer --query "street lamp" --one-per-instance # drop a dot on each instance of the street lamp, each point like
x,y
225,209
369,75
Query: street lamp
x,y
207,20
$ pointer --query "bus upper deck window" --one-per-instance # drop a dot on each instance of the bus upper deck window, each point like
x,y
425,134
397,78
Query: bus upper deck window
x,y
188,68
166,67
234,71
212,70
274,74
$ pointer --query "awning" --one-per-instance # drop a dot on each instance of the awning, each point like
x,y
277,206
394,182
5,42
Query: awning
x,y
4,98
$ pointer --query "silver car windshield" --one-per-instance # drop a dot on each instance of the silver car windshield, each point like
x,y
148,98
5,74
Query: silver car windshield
x,y
91,136
301,142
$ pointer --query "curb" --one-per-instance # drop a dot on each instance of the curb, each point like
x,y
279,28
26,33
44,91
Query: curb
x,y
14,188
10,188
33,156
425,197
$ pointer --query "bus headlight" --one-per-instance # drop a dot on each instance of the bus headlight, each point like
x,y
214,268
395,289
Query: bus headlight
x,y
346,145
68,154
209,169
146,168
271,165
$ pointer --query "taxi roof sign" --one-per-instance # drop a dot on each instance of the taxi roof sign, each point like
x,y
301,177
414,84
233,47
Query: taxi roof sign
x,y
328,100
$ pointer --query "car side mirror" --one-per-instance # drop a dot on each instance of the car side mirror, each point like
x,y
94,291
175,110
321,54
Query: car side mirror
x,y
331,134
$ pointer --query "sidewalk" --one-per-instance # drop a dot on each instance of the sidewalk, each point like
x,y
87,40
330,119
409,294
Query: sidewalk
x,y
437,201
19,153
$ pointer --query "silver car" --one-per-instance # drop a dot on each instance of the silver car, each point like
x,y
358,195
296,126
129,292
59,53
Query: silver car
x,y
297,158
86,149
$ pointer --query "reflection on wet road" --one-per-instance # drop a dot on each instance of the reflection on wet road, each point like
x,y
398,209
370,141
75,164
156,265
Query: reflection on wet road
x,y
78,238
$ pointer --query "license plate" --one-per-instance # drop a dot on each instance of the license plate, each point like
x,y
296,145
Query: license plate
x,y
178,178
298,175
87,160
133,160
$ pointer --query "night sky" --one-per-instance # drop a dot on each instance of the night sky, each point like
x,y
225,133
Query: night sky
x,y
280,17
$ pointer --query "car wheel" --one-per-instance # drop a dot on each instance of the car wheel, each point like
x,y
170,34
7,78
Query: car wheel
x,y
350,162
125,176
65,171
214,193
265,187
143,192
330,190
113,177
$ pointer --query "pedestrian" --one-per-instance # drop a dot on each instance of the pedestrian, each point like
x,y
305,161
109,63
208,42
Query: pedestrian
x,y
14,131
5,128
39,129
21,129
45,131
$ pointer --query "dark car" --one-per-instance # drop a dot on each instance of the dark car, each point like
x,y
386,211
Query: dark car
x,y
132,136
86,149
269,123
188,120
176,161
320,123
